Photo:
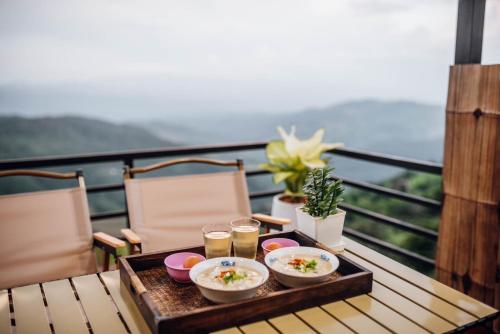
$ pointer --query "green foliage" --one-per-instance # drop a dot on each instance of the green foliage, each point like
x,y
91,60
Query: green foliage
x,y
26,137
425,184
285,168
421,184
322,193
291,159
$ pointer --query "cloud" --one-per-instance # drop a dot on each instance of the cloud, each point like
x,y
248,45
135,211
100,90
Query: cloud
x,y
236,55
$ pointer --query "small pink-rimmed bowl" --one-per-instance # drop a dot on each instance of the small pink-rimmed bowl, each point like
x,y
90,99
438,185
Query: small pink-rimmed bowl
x,y
175,266
284,242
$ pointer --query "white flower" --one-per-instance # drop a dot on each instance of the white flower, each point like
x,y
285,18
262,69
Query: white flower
x,y
291,159
309,151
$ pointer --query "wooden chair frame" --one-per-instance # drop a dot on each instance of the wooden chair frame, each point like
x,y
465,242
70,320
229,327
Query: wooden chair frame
x,y
104,241
129,172
135,241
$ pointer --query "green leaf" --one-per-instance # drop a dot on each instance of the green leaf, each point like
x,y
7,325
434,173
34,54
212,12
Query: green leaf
x,y
270,167
316,163
276,150
322,193
281,176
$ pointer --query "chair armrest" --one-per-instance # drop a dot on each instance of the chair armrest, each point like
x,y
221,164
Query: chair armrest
x,y
104,240
131,236
109,245
271,222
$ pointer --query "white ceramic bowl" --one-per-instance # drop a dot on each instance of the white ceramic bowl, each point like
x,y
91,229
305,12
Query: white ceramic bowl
x,y
228,296
293,280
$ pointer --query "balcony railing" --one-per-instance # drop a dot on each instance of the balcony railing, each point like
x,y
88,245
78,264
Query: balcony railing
x,y
129,157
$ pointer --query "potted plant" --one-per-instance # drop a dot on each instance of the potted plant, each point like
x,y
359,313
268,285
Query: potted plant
x,y
290,160
319,217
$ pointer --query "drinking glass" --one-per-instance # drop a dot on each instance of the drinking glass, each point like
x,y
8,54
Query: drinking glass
x,y
217,240
245,237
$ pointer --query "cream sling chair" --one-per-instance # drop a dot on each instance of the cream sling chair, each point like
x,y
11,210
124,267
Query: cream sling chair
x,y
169,212
47,235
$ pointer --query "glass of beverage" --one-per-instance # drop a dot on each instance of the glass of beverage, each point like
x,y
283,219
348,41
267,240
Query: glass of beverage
x,y
217,240
245,237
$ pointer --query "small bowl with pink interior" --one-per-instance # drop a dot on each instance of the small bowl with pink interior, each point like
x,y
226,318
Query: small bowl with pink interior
x,y
175,266
283,242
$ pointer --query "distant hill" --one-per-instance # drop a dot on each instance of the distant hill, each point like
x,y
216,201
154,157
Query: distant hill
x,y
404,128
32,137
29,137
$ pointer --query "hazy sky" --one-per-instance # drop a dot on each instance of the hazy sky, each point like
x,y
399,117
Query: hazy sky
x,y
183,56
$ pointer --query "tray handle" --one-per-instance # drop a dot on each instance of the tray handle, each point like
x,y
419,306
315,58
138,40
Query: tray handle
x,y
136,285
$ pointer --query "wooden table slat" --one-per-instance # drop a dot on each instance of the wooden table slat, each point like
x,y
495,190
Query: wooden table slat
x,y
98,306
384,315
290,324
124,302
260,327
353,318
29,310
453,296
232,330
416,294
63,307
4,312
322,321
406,307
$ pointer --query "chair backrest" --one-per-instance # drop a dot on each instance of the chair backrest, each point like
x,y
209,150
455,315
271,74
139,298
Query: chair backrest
x,y
168,212
45,235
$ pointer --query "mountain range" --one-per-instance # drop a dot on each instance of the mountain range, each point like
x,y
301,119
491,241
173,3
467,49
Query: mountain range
x,y
28,137
402,128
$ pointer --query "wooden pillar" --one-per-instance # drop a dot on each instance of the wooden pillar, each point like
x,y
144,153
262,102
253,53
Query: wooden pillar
x,y
468,256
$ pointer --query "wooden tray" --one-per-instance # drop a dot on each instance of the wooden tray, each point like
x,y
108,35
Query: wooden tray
x,y
170,307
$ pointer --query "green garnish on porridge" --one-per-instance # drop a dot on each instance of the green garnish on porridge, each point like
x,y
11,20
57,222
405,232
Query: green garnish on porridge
x,y
231,275
303,265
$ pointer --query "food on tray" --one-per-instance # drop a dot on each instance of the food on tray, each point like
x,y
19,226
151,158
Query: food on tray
x,y
179,264
229,278
190,261
273,245
302,264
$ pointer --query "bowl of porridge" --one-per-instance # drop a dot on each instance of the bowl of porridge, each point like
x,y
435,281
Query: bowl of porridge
x,y
228,279
301,266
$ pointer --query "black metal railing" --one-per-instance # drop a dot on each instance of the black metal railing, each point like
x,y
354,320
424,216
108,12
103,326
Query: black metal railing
x,y
130,156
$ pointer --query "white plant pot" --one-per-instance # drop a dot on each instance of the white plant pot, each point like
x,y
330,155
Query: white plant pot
x,y
283,209
327,231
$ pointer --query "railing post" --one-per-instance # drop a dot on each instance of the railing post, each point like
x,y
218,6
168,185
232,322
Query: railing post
x,y
130,163
470,24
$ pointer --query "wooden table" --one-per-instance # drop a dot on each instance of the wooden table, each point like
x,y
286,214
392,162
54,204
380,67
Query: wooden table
x,y
402,301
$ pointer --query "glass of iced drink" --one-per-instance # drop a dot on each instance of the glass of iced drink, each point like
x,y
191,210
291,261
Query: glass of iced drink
x,y
245,237
217,240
